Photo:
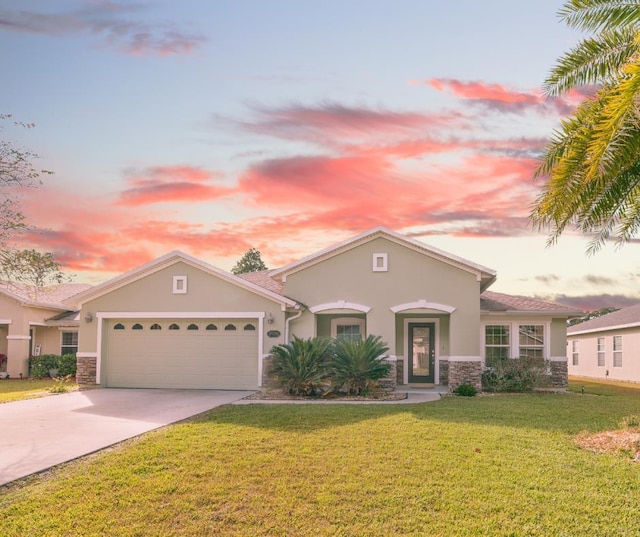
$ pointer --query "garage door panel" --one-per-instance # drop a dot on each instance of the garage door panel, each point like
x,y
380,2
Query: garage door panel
x,y
181,358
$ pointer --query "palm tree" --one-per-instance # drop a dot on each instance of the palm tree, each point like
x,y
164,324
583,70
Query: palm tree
x,y
592,163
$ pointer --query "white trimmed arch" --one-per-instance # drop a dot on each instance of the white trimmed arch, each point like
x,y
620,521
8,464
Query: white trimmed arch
x,y
339,305
422,304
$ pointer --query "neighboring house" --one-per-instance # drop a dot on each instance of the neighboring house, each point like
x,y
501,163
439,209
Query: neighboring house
x,y
606,347
178,322
35,321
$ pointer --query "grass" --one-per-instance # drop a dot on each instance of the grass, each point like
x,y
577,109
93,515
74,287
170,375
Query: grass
x,y
503,465
15,390
603,387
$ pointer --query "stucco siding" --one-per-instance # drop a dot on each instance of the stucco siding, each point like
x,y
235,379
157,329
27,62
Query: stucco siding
x,y
558,344
587,355
410,276
154,293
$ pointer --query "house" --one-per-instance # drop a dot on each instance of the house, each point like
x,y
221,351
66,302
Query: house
x,y
178,322
35,321
606,347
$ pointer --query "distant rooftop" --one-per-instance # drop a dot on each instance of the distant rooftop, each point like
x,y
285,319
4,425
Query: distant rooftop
x,y
629,316
51,296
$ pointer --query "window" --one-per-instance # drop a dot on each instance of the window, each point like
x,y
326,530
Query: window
x,y
380,263
136,326
249,327
211,327
575,352
174,326
193,326
497,343
69,343
156,326
118,326
351,328
601,350
179,285
617,351
531,341
230,327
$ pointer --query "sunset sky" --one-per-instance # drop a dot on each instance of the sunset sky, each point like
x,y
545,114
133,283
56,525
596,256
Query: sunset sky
x,y
213,126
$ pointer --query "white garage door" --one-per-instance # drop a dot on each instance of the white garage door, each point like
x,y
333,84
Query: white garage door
x,y
181,353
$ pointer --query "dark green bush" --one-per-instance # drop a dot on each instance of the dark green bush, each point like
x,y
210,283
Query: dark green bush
x,y
515,375
300,367
66,365
357,365
39,366
465,390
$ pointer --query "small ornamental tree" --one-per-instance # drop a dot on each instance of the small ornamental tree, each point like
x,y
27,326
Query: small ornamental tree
x,y
249,262
32,268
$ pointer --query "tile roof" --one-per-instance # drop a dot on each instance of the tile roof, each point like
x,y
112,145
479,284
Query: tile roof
x,y
494,302
625,316
51,296
263,279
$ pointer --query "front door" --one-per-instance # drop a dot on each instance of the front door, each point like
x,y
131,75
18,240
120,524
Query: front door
x,y
422,353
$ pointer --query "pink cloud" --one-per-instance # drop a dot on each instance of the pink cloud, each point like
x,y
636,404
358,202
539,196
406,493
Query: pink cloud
x,y
112,24
171,184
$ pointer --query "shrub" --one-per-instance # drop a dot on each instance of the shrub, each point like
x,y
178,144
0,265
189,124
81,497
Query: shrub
x,y
39,366
357,365
66,365
465,390
515,375
300,367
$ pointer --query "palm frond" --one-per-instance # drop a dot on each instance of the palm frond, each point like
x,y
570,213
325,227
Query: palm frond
x,y
593,61
600,15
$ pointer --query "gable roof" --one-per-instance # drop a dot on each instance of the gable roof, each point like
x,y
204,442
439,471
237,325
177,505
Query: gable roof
x,y
491,302
166,261
484,274
50,297
628,317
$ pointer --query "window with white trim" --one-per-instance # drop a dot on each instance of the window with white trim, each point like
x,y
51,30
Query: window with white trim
x,y
601,351
69,344
347,328
531,341
575,350
497,343
617,351
179,285
380,262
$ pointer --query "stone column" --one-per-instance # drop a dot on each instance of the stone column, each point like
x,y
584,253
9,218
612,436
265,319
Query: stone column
x,y
559,373
465,370
86,369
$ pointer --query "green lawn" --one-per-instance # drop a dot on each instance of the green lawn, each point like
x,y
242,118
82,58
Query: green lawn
x,y
14,389
501,465
609,387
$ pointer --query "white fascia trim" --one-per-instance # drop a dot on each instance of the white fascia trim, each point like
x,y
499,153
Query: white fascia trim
x,y
25,338
5,321
180,314
86,354
340,305
558,359
166,261
37,323
422,304
602,329
465,358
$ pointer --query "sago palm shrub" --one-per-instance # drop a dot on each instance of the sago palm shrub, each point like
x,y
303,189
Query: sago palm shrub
x,y
300,367
358,364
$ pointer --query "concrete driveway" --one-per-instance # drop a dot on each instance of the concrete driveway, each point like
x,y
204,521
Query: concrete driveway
x,y
37,434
